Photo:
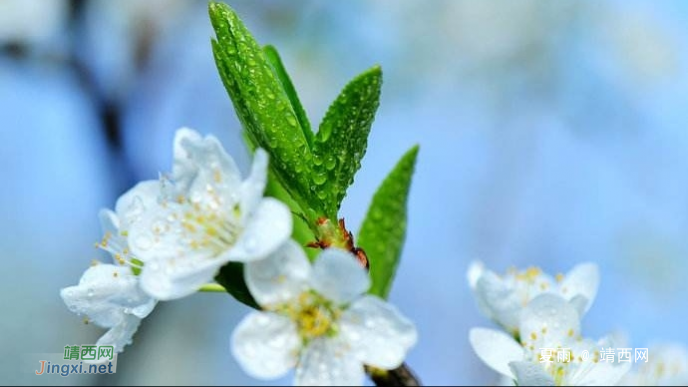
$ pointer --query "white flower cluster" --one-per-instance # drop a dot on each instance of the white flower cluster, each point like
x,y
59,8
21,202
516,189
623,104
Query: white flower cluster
x,y
539,312
171,236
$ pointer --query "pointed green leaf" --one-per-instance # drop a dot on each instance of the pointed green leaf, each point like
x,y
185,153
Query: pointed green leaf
x,y
342,138
261,102
231,276
384,227
274,58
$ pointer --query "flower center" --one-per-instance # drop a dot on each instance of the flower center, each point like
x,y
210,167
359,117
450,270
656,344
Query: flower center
x,y
530,275
209,227
314,321
314,315
117,246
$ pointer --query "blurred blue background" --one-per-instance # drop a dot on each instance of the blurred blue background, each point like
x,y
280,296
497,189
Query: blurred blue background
x,y
551,133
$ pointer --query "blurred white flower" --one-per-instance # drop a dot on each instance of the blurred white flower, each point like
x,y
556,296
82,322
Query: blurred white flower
x,y
206,216
119,36
318,319
667,365
547,322
110,294
31,21
502,298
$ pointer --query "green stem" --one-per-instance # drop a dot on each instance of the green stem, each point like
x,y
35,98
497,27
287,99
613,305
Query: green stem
x,y
212,288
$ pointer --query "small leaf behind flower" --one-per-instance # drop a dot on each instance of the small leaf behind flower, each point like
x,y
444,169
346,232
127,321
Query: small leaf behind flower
x,y
384,227
231,276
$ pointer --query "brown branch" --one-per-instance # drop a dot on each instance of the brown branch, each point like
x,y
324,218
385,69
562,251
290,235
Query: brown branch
x,y
400,376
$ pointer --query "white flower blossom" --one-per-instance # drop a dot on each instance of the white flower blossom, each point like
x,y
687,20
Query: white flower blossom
x,y
318,319
206,217
547,322
502,298
110,295
667,365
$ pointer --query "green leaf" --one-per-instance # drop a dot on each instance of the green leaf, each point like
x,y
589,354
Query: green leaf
x,y
384,227
274,58
261,103
231,276
342,138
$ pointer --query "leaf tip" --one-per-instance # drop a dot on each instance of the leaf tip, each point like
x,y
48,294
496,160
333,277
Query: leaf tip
x,y
221,16
215,10
409,158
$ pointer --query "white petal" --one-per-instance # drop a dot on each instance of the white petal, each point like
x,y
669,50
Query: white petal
x,y
475,271
267,229
280,277
135,202
105,294
168,279
377,333
265,345
144,309
496,349
199,161
498,301
253,187
181,136
117,244
530,374
121,334
325,362
109,222
551,314
150,240
582,280
603,374
580,303
339,276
